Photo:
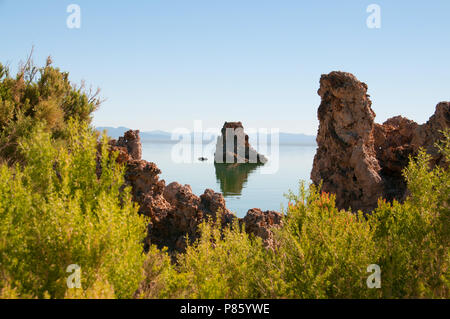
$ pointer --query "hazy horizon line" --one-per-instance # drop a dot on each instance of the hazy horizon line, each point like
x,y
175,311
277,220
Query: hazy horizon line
x,y
190,131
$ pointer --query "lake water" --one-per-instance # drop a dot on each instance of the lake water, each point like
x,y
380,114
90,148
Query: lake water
x,y
244,186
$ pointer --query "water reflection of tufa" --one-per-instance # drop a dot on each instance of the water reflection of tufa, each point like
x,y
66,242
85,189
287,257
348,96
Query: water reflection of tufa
x,y
233,177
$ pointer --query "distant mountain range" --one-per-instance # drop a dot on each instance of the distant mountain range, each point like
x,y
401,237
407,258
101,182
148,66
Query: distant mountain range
x,y
165,137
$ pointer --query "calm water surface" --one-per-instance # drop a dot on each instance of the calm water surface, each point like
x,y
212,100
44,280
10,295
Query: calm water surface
x,y
243,186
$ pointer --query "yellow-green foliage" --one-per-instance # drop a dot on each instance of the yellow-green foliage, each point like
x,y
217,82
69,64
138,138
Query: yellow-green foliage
x,y
39,96
414,237
55,212
325,252
158,270
222,263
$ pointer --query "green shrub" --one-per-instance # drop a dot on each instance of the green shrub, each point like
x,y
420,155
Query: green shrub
x,y
222,263
325,252
56,211
39,97
159,273
225,263
414,237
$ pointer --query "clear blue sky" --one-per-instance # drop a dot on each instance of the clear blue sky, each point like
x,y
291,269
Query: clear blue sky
x,y
162,64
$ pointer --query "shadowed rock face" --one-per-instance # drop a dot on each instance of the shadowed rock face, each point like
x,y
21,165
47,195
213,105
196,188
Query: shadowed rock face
x,y
233,146
174,211
360,160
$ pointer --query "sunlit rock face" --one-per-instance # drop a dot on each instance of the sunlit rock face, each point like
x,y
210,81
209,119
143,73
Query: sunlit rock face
x,y
233,146
346,158
359,160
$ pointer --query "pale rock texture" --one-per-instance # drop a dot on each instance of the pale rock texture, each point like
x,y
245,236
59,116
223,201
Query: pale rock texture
x,y
346,159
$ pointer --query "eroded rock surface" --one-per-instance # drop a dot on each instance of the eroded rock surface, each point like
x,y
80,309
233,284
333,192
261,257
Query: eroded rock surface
x,y
260,224
175,212
360,160
132,142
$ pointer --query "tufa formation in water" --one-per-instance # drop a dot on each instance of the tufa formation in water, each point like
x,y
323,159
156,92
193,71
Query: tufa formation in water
x,y
233,146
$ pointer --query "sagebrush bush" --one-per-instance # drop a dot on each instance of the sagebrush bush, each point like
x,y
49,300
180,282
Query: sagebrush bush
x,y
222,263
55,211
414,237
225,263
325,252
39,96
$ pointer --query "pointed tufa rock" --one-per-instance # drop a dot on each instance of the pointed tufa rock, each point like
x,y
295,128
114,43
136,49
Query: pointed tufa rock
x,y
359,160
346,159
233,146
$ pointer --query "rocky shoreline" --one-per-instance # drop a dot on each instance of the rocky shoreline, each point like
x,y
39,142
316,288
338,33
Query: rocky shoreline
x,y
174,211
